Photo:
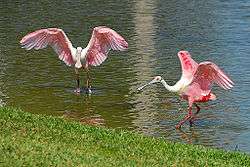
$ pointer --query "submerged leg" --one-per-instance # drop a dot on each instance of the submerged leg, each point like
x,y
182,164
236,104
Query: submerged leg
x,y
187,117
191,121
88,82
77,81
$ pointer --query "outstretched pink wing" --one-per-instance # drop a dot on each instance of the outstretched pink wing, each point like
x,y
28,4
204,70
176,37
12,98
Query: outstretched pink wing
x,y
188,66
54,37
208,73
103,39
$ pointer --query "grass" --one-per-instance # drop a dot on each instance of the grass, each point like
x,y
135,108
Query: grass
x,y
35,140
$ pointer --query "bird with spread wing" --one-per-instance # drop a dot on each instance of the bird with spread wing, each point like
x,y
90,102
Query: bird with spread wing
x,y
195,83
103,39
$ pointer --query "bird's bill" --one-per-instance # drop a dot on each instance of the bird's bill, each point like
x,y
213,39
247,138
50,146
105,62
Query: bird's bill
x,y
140,88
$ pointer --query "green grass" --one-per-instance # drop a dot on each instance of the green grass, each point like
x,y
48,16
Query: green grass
x,y
35,140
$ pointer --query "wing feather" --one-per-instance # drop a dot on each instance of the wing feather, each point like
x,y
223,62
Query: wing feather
x,y
188,65
209,73
102,41
53,37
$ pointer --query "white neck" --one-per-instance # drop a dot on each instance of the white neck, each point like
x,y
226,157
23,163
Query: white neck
x,y
78,63
84,53
174,88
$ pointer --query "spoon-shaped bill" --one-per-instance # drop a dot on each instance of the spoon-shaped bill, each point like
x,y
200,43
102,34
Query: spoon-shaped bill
x,y
140,88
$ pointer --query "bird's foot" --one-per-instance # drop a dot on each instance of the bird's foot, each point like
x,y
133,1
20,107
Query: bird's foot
x,y
187,117
191,121
178,126
77,90
89,91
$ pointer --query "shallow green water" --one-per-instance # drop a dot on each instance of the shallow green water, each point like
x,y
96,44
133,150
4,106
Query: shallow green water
x,y
38,82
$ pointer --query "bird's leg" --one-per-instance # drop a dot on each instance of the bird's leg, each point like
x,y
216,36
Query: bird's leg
x,y
191,121
88,82
77,81
188,116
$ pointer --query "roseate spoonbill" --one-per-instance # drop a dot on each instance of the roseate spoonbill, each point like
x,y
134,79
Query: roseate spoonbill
x,y
195,84
102,41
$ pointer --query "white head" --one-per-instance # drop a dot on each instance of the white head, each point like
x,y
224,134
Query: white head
x,y
183,53
78,49
155,80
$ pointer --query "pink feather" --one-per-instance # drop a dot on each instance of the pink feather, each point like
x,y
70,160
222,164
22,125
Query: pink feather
x,y
188,65
53,37
103,39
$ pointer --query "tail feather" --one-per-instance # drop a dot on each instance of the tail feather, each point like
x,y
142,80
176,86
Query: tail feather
x,y
212,96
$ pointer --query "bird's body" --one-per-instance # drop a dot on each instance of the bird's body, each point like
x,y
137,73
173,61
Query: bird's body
x,y
196,83
103,39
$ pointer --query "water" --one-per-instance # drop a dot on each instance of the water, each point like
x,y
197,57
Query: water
x,y
38,82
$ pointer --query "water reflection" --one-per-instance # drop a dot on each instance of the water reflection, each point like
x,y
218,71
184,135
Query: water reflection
x,y
155,30
144,49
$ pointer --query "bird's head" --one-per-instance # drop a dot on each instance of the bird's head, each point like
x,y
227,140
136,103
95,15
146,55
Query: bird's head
x,y
155,80
183,53
79,49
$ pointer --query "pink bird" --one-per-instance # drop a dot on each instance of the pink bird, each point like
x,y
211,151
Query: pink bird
x,y
102,41
195,84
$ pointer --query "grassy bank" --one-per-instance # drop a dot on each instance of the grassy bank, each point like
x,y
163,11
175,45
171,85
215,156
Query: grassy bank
x,y
34,140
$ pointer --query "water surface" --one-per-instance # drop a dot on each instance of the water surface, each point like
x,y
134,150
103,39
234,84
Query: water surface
x,y
38,82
